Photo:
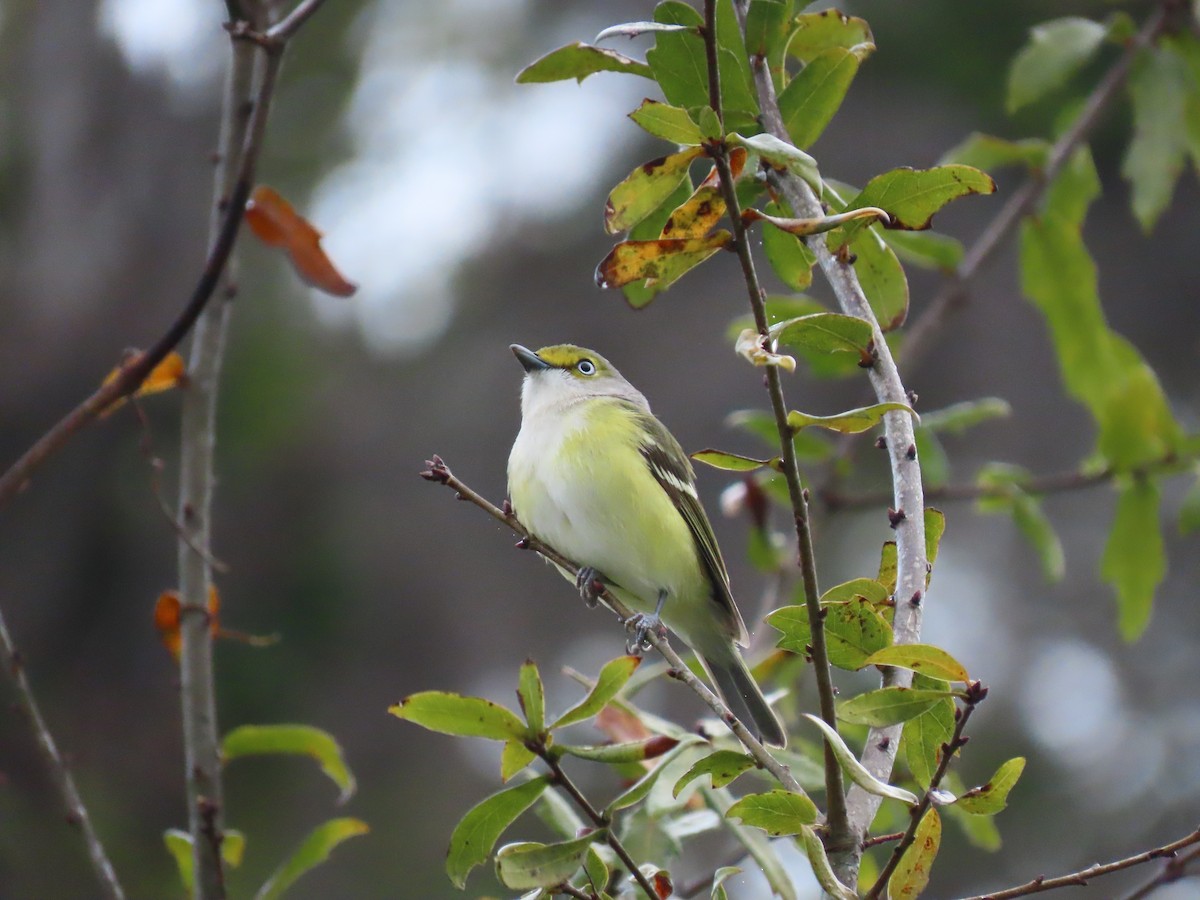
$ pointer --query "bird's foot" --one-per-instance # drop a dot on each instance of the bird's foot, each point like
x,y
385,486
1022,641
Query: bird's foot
x,y
641,626
589,584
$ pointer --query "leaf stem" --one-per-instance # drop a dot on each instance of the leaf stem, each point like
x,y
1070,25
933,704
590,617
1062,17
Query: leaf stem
x,y
834,790
974,696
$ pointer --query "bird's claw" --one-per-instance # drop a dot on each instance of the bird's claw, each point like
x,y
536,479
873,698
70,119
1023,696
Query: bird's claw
x,y
641,626
589,584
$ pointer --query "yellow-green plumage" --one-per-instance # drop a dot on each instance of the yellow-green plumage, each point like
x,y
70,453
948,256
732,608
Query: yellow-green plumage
x,y
596,476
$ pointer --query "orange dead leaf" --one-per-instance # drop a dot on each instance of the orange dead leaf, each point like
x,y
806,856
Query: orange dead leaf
x,y
168,613
169,373
277,224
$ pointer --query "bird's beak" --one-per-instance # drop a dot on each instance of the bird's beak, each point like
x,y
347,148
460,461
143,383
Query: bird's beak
x,y
527,358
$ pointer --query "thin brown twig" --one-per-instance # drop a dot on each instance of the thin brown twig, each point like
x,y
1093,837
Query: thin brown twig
x,y
1176,867
439,473
1083,876
976,692
881,839
834,790
60,773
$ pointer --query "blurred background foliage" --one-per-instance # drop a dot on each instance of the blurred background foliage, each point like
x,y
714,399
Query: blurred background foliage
x,y
468,209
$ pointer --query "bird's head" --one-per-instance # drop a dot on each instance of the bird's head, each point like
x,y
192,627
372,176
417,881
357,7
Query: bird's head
x,y
565,373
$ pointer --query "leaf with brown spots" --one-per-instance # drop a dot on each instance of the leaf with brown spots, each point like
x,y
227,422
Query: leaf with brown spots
x,y
663,261
277,224
644,189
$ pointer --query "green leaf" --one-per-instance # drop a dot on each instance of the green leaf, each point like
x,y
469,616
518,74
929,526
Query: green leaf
x,y
644,189
987,152
882,279
888,566
311,853
578,61
815,850
462,716
677,59
923,739
852,421
1055,51
1134,562
781,155
1189,510
611,679
788,255
991,798
731,462
1031,521
775,812
912,873
723,766
935,527
596,869
738,99
757,845
866,588
671,123
527,865
828,333
626,752
640,788
857,771
663,261
854,630
811,99
477,832
1159,87
888,706
767,31
725,872
912,196
926,249
814,33
1074,190
532,696
179,845
923,658
513,758
958,417
304,740
935,464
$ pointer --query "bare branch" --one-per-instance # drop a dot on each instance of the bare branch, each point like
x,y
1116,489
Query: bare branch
x,y
834,790
293,21
1083,876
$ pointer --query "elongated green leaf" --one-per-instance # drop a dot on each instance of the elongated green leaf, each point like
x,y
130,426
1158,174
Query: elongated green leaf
x,y
881,277
814,33
731,462
852,421
596,869
532,696
633,29
924,737
738,100
812,98
1031,521
935,527
639,789
888,566
987,152
912,196
671,123
179,845
513,758
663,261
311,853
612,678
578,61
788,255
991,798
959,417
644,189
857,771
677,59
626,752
775,812
888,706
935,464
1189,510
923,658
527,865
768,27
477,832
722,766
815,851
304,740
1055,51
462,716
1134,561
926,249
912,874
1159,86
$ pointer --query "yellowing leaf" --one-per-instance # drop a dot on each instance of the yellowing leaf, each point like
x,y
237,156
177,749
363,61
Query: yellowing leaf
x,y
277,224
662,262
912,874
170,373
300,740
644,189
168,616
923,658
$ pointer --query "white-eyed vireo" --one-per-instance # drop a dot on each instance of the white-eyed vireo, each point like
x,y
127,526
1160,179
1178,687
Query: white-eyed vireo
x,y
596,476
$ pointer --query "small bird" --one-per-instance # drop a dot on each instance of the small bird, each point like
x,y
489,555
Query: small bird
x,y
597,477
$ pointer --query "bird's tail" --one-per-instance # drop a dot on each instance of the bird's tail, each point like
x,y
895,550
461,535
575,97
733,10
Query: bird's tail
x,y
743,696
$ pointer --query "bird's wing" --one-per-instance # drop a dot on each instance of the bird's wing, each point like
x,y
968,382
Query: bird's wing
x,y
672,470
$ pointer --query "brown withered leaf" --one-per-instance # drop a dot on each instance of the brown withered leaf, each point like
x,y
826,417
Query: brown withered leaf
x,y
169,373
168,614
663,260
277,224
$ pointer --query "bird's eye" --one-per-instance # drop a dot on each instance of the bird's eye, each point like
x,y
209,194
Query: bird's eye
x,y
586,367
